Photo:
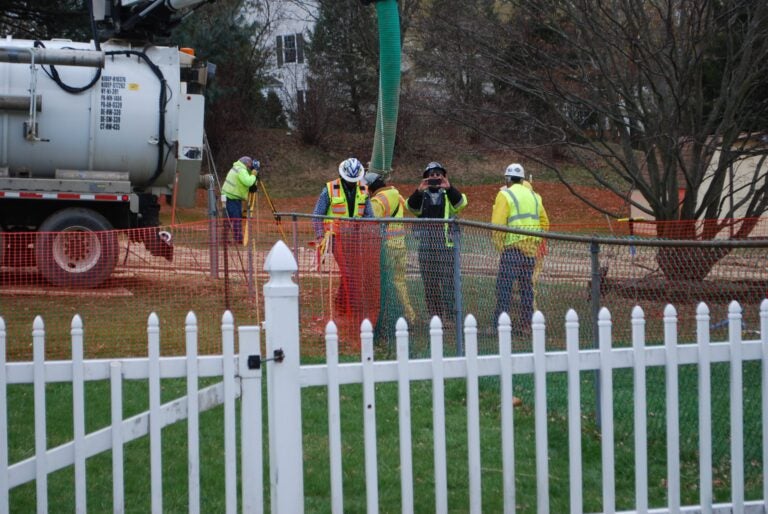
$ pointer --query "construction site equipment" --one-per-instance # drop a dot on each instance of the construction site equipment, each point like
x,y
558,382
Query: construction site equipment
x,y
93,134
275,215
388,18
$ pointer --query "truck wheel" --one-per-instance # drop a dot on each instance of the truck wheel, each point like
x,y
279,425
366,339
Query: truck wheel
x,y
76,247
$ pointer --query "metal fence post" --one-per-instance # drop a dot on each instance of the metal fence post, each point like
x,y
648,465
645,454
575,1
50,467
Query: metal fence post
x,y
281,313
213,232
295,235
456,238
594,250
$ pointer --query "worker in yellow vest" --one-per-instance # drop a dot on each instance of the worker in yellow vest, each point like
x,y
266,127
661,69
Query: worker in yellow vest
x,y
341,199
388,203
240,179
519,207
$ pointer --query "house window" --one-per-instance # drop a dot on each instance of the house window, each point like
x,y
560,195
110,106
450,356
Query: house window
x,y
289,48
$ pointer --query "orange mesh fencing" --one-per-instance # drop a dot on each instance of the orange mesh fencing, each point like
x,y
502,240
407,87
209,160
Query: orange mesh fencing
x,y
204,276
737,228
368,269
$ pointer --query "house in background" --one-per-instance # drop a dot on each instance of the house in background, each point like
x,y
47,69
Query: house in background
x,y
290,25
739,181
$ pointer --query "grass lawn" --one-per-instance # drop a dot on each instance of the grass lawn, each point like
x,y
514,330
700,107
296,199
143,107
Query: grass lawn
x,y
316,462
117,327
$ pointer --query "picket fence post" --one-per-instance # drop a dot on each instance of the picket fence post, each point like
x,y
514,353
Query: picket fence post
x,y
672,408
706,494
737,406
4,504
193,414
281,314
41,442
640,409
250,412
764,344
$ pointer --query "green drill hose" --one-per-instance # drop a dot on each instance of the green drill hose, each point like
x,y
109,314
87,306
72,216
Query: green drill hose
x,y
383,147
389,86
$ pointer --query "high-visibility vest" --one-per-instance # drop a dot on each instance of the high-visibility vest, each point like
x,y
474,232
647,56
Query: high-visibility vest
x,y
338,208
238,180
394,206
524,209
450,211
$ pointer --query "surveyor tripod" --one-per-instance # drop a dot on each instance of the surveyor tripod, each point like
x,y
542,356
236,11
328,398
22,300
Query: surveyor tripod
x,y
252,203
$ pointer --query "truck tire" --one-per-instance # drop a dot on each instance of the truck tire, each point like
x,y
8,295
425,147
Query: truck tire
x,y
76,247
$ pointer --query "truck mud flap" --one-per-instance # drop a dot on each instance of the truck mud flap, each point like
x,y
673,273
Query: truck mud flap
x,y
158,242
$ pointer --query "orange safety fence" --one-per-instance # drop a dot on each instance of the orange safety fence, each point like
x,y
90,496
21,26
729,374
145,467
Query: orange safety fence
x,y
736,228
368,269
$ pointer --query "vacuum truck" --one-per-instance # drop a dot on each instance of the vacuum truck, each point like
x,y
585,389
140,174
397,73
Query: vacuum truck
x,y
93,134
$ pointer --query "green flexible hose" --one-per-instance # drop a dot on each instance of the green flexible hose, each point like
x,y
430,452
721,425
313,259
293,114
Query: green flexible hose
x,y
389,86
383,147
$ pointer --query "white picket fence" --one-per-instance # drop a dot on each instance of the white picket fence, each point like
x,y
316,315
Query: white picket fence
x,y
286,377
243,383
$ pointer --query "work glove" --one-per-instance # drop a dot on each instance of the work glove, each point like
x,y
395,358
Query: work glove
x,y
254,187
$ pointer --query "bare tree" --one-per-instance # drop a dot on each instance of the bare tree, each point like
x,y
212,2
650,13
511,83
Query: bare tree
x,y
343,57
644,94
229,35
44,19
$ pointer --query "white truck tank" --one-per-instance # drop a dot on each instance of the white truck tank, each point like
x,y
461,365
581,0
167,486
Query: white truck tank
x,y
90,137
138,118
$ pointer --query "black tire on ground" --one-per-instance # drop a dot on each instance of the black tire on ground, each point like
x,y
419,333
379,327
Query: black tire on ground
x,y
76,247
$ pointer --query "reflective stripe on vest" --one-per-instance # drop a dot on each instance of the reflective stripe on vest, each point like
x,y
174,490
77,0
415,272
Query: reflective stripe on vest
x,y
389,197
447,208
338,207
525,217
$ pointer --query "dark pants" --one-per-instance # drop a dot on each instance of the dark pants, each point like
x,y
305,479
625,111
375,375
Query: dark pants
x,y
235,215
436,267
514,265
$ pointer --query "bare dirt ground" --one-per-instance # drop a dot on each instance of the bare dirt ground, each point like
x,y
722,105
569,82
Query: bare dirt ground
x,y
295,173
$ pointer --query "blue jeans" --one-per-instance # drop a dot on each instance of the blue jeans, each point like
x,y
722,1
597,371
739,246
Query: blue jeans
x,y
235,215
514,265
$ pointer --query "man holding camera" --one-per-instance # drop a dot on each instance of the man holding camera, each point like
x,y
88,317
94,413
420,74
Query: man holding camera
x,y
237,185
436,198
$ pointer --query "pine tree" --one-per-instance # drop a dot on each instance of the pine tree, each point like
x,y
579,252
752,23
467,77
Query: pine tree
x,y
343,53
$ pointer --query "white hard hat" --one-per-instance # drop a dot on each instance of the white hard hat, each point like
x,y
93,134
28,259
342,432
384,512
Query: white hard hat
x,y
514,170
351,170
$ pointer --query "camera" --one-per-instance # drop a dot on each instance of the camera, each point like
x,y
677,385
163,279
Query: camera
x,y
434,181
